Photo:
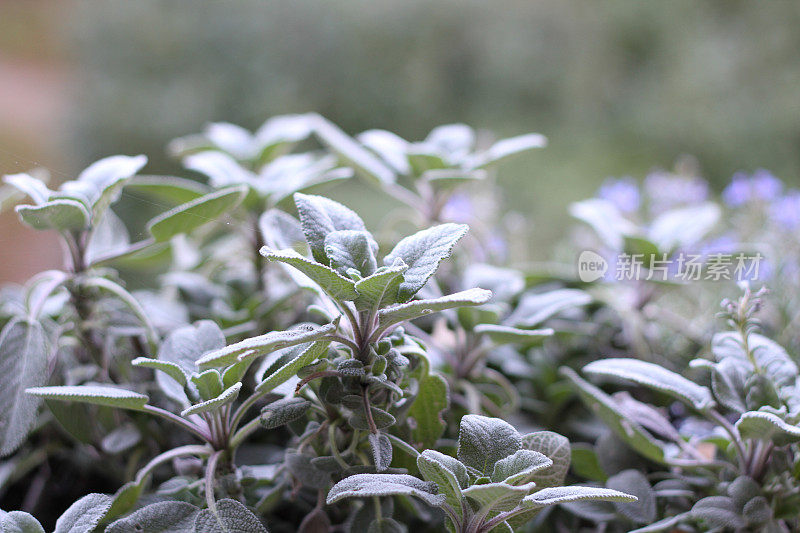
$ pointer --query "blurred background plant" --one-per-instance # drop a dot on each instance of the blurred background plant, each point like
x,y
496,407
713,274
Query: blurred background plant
x,y
619,88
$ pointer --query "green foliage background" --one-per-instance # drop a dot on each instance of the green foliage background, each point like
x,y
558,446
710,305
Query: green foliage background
x,y
618,86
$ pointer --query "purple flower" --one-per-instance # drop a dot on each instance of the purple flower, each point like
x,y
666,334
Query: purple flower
x,y
670,190
761,186
459,208
497,245
738,190
623,193
765,185
786,210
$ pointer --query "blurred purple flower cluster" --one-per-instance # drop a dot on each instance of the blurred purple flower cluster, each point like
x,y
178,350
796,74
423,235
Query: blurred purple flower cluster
x,y
786,210
760,186
623,193
667,190
664,190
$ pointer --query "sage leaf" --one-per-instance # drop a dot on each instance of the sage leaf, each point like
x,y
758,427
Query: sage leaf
x,y
289,370
23,364
27,184
605,219
368,485
228,396
761,425
84,515
573,493
634,482
380,288
320,216
483,441
195,213
159,517
520,467
60,214
508,147
397,313
263,344
683,227
351,249
19,522
535,308
230,517
497,496
93,394
449,474
330,281
555,447
351,153
283,411
427,410
108,176
655,377
718,512
423,252
603,406
381,450
510,335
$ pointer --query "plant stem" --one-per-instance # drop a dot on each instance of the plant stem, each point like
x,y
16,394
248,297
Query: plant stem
x,y
211,469
199,432
243,432
191,449
733,433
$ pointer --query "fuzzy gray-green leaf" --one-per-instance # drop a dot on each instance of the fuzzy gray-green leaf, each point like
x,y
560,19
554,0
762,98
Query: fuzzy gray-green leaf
x,y
60,214
603,406
535,308
229,395
634,482
482,441
761,425
573,493
320,216
430,403
408,311
423,252
19,522
510,335
84,515
352,153
93,394
23,364
159,517
381,450
330,281
367,485
288,370
449,474
230,517
191,215
520,467
351,249
283,411
498,496
380,288
263,344
557,448
655,377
